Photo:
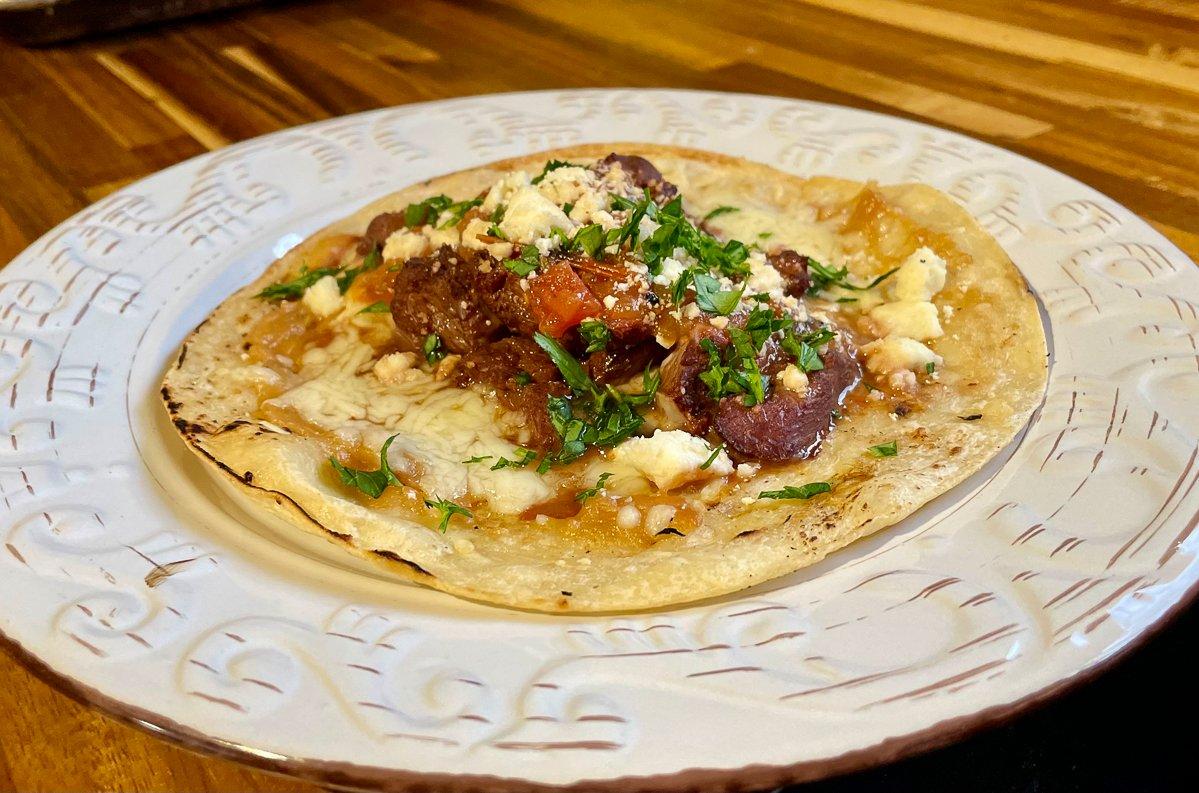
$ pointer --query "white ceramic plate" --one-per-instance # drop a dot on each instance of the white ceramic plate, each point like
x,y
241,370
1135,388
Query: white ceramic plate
x,y
129,580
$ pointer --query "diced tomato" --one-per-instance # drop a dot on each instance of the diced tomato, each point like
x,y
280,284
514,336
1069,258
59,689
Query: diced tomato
x,y
561,300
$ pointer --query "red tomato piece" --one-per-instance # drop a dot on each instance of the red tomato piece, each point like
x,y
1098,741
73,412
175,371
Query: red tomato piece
x,y
561,300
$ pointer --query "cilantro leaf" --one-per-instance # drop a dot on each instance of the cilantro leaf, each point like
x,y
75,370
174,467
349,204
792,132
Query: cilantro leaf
x,y
347,276
524,457
801,492
455,212
523,378
426,212
590,239
432,348
591,492
373,483
885,449
596,334
678,289
712,457
930,367
295,288
718,211
448,509
552,165
528,261
572,371
804,348
711,298
762,323
823,277
738,373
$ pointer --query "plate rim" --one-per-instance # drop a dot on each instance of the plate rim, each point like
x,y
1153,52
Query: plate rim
x,y
346,775
342,774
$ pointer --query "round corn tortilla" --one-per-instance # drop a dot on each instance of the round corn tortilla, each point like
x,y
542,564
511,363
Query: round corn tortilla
x,y
992,378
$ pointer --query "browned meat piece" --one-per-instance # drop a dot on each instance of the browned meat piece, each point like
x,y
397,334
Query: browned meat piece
x,y
440,293
379,229
509,302
616,365
794,269
680,376
788,426
642,172
498,368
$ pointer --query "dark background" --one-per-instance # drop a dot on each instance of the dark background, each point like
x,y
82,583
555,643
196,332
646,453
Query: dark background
x,y
1131,729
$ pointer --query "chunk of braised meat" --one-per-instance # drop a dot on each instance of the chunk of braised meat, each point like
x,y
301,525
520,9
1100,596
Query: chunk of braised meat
x,y
789,425
642,172
442,293
793,267
379,229
501,368
616,365
785,426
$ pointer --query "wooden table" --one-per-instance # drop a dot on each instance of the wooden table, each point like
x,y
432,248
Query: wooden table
x,y
1106,92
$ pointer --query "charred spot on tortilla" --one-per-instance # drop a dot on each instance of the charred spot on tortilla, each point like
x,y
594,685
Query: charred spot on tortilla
x,y
563,381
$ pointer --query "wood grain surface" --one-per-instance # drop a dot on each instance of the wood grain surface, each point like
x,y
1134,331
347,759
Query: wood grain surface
x,y
1106,92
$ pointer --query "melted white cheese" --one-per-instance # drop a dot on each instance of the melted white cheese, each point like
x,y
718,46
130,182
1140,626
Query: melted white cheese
x,y
439,426
797,231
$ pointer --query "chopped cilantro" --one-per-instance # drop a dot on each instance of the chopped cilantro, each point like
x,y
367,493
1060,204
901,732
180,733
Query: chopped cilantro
x,y
596,334
930,367
678,289
572,371
675,231
528,261
373,483
347,276
552,165
718,211
592,416
447,509
524,457
802,492
479,459
523,378
823,277
454,212
738,373
294,288
711,298
590,239
494,231
805,347
568,207
762,323
432,348
712,457
376,308
591,492
497,215
426,211
885,449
